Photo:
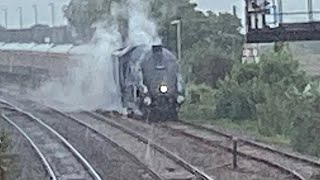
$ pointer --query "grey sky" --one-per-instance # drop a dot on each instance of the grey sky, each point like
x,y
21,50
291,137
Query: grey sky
x,y
44,12
288,6
214,5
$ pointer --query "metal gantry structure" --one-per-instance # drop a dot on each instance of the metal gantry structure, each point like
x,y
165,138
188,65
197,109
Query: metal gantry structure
x,y
258,31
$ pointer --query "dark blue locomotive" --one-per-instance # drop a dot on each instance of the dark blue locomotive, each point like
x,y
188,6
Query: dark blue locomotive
x,y
149,81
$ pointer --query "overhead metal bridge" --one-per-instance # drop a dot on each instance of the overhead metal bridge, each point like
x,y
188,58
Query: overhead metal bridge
x,y
265,22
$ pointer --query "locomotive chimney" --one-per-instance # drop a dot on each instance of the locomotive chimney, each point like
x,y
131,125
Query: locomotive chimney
x,y
157,49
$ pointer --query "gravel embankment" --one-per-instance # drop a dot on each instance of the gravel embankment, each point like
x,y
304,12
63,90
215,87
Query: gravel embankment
x,y
213,161
28,164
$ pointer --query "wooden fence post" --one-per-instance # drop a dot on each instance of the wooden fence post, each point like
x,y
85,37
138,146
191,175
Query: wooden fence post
x,y
235,152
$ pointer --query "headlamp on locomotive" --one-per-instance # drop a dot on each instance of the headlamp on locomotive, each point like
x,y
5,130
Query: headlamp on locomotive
x,y
163,89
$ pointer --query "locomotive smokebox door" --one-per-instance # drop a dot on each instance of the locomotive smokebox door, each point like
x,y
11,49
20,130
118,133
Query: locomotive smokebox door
x,y
157,54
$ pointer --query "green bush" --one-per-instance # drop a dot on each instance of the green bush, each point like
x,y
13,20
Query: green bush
x,y
234,101
273,115
208,64
244,73
250,85
272,97
199,104
305,135
283,100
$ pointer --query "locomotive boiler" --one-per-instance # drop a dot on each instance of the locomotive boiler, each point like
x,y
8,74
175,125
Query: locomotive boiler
x,y
150,82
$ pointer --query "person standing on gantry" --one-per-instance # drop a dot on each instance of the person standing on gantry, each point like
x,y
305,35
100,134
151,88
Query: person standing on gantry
x,y
260,7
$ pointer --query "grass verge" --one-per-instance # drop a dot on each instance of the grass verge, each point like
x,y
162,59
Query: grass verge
x,y
205,116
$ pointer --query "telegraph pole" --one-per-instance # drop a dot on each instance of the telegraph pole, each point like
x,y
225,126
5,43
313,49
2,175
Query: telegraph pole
x,y
234,9
280,11
35,8
52,13
5,11
21,17
310,10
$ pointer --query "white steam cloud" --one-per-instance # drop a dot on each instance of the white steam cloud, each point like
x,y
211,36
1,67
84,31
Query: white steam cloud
x,y
142,30
91,85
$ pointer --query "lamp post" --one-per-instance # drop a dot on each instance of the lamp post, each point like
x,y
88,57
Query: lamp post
x,y
5,11
35,8
179,43
64,9
52,13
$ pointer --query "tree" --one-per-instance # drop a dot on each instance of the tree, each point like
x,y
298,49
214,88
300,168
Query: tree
x,y
207,39
305,135
252,90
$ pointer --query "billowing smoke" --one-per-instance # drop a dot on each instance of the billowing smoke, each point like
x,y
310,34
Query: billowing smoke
x,y
91,84
142,30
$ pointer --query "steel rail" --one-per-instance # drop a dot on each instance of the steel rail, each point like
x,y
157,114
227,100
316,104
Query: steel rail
x,y
84,162
254,144
34,146
115,144
162,150
230,150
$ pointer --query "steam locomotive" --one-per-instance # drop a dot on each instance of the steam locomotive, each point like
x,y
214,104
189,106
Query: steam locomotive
x,y
149,81
148,77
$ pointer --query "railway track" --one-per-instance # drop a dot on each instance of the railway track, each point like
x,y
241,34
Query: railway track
x,y
161,163
60,158
286,162
199,175
115,144
109,164
300,167
48,171
296,167
193,153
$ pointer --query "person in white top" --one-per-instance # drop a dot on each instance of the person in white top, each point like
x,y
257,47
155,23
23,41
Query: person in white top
x,y
260,7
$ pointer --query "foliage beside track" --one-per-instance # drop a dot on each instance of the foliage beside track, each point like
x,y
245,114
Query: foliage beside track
x,y
210,42
269,97
272,98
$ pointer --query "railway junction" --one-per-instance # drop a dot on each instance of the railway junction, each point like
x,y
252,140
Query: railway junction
x,y
51,140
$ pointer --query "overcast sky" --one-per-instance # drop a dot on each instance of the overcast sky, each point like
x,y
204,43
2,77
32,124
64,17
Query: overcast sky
x,y
45,12
288,6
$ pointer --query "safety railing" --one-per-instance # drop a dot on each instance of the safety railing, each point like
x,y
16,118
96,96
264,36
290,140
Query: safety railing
x,y
262,14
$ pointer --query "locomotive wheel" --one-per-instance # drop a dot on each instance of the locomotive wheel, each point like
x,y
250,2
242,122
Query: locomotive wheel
x,y
130,113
